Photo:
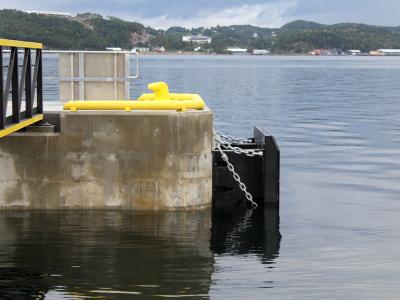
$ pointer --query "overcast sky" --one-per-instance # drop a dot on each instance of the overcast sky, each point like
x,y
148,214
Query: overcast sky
x,y
193,13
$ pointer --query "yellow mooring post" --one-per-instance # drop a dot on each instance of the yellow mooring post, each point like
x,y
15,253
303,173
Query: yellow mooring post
x,y
161,99
160,90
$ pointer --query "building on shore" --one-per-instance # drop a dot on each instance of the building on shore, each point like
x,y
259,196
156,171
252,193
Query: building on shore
x,y
353,52
323,52
375,53
113,49
197,39
159,49
49,13
386,52
260,52
236,50
141,49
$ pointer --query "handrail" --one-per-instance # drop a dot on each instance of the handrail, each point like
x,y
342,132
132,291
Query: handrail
x,y
136,76
20,44
25,83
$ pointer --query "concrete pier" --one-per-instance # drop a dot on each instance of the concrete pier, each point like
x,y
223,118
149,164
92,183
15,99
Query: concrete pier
x,y
142,160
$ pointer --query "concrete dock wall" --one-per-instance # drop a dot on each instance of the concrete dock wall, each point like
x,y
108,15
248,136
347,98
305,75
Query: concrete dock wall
x,y
147,160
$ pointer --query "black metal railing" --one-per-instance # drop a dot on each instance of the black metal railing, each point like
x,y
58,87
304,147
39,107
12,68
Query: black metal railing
x,y
20,83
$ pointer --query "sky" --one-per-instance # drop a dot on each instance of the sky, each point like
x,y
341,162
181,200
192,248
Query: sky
x,y
195,13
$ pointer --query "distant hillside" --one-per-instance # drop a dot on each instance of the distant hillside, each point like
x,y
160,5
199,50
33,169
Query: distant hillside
x,y
302,25
90,31
86,31
339,36
294,37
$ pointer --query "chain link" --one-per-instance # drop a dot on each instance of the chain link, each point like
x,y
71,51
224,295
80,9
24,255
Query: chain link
x,y
220,141
231,138
226,142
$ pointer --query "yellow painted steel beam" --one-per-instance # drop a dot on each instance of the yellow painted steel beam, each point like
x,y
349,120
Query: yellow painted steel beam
x,y
179,105
20,44
20,125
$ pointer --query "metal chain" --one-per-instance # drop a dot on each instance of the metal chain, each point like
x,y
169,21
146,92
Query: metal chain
x,y
236,176
223,140
231,138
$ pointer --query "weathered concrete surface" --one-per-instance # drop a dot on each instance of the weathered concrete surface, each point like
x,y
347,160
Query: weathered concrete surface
x,y
147,160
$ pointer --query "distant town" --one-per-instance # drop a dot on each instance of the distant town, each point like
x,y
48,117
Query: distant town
x,y
379,52
199,40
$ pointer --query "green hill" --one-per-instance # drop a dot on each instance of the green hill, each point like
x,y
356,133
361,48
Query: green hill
x,y
302,25
90,31
86,31
339,36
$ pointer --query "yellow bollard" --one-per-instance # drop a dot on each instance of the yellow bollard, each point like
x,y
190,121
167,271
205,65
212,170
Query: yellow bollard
x,y
160,90
161,99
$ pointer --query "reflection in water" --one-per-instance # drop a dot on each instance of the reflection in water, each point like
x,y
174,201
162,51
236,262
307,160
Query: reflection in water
x,y
106,253
246,247
20,283
116,254
237,231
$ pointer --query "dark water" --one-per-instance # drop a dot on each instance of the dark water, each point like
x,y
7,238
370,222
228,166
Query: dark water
x,y
336,236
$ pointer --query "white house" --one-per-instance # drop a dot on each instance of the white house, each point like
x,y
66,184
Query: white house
x,y
235,50
354,52
198,39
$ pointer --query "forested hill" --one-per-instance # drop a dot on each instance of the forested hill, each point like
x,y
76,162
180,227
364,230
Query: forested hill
x,y
94,32
83,32
302,36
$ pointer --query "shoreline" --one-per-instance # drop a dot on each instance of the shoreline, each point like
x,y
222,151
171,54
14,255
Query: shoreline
x,y
171,53
175,53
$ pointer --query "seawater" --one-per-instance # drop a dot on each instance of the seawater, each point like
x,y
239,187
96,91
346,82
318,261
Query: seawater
x,y
336,235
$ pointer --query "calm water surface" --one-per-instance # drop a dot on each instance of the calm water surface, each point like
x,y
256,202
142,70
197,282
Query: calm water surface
x,y
337,234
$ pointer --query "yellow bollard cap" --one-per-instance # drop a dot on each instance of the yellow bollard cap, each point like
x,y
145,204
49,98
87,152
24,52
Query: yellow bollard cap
x,y
160,90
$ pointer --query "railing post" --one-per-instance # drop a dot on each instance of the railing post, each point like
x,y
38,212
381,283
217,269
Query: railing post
x,y
16,104
28,85
6,90
39,86
23,80
2,104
